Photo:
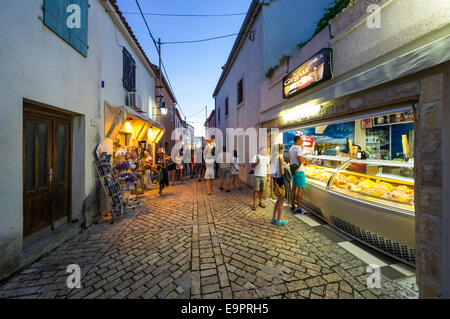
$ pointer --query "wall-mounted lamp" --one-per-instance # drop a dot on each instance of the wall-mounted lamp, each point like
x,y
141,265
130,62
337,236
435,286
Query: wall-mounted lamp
x,y
162,107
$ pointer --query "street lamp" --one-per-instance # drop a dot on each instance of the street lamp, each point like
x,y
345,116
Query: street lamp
x,y
162,107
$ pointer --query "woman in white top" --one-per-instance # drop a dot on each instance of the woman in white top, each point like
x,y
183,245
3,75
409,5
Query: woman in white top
x,y
209,174
277,172
235,171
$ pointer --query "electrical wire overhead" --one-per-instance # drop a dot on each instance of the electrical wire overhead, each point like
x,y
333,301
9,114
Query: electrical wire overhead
x,y
188,15
157,50
210,39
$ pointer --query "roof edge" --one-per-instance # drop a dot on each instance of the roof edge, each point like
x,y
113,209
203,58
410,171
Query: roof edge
x,y
253,9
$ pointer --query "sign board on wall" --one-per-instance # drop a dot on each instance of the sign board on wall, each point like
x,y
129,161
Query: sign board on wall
x,y
308,142
314,71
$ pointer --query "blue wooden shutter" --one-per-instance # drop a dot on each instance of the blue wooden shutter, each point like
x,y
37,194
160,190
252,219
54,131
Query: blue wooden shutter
x,y
55,17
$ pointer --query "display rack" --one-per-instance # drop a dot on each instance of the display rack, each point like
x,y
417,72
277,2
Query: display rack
x,y
110,185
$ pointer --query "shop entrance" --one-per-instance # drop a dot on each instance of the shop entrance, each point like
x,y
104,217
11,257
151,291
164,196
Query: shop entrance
x,y
46,169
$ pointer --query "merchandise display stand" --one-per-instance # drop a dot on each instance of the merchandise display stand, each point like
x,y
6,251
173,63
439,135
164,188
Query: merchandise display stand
x,y
111,188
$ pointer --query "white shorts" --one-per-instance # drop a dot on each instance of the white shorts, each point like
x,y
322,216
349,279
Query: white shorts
x,y
209,174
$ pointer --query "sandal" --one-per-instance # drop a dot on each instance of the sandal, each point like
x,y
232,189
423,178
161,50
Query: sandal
x,y
254,207
262,205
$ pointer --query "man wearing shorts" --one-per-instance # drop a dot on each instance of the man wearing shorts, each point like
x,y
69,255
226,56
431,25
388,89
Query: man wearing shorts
x,y
298,177
260,164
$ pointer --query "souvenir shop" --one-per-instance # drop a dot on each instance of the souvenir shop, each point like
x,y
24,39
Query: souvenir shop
x,y
133,137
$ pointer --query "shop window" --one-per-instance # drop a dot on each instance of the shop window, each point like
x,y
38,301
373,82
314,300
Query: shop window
x,y
129,72
69,20
226,106
240,91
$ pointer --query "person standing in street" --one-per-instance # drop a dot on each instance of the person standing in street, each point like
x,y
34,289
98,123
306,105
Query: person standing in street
x,y
148,171
209,174
163,177
199,166
180,166
225,170
235,171
260,164
192,164
277,172
298,175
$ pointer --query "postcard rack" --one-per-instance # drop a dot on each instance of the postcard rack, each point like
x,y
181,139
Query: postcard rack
x,y
110,185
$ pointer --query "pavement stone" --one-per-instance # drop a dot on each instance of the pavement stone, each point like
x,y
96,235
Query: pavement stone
x,y
186,244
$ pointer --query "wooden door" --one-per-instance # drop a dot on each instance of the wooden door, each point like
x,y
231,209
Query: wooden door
x,y
46,171
61,174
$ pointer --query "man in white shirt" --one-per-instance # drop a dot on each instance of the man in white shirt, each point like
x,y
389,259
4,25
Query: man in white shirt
x,y
260,163
298,174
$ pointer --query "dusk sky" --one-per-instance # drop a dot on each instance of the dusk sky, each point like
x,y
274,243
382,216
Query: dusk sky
x,y
193,69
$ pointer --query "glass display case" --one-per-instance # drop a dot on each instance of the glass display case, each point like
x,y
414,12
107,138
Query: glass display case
x,y
380,182
387,183
320,168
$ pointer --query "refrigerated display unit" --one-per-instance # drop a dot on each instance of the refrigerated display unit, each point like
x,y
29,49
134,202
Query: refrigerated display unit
x,y
370,200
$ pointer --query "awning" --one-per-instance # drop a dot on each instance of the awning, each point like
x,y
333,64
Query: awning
x,y
123,119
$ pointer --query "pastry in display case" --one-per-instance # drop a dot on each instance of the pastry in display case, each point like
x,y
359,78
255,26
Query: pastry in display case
x,y
387,183
320,168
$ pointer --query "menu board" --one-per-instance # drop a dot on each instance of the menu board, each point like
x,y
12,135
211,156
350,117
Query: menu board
x,y
314,71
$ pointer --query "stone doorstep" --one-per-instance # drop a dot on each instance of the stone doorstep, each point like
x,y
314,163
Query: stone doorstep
x,y
44,246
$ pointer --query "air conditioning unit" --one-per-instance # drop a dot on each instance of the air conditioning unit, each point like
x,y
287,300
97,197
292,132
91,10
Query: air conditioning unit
x,y
134,100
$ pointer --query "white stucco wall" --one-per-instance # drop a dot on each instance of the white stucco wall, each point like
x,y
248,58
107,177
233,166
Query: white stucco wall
x,y
114,38
249,66
288,23
402,22
38,65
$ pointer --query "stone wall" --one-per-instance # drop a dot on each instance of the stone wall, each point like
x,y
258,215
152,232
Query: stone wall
x,y
428,187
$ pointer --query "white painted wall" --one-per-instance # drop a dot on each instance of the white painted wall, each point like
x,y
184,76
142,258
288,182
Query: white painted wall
x,y
249,66
402,22
38,65
288,23
114,38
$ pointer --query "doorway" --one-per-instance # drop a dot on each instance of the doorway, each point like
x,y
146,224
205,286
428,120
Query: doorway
x,y
46,169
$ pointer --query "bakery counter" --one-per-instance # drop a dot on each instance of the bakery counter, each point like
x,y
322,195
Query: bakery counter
x,y
370,200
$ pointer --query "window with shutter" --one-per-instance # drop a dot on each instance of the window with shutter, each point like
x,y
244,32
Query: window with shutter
x,y
129,72
69,20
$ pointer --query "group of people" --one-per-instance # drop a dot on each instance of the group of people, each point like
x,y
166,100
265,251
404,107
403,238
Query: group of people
x,y
288,179
167,168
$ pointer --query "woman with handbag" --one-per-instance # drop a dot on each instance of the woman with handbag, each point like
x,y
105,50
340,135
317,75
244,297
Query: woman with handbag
x,y
277,172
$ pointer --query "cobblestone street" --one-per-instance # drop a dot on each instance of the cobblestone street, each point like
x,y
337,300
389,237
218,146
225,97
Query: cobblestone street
x,y
189,245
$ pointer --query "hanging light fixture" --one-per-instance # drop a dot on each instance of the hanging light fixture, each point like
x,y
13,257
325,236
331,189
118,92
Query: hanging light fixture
x,y
162,107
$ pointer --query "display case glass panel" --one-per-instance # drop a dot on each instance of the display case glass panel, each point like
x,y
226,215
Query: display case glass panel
x,y
387,183
320,168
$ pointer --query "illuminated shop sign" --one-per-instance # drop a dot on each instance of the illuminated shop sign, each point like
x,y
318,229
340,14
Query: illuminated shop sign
x,y
311,73
301,112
